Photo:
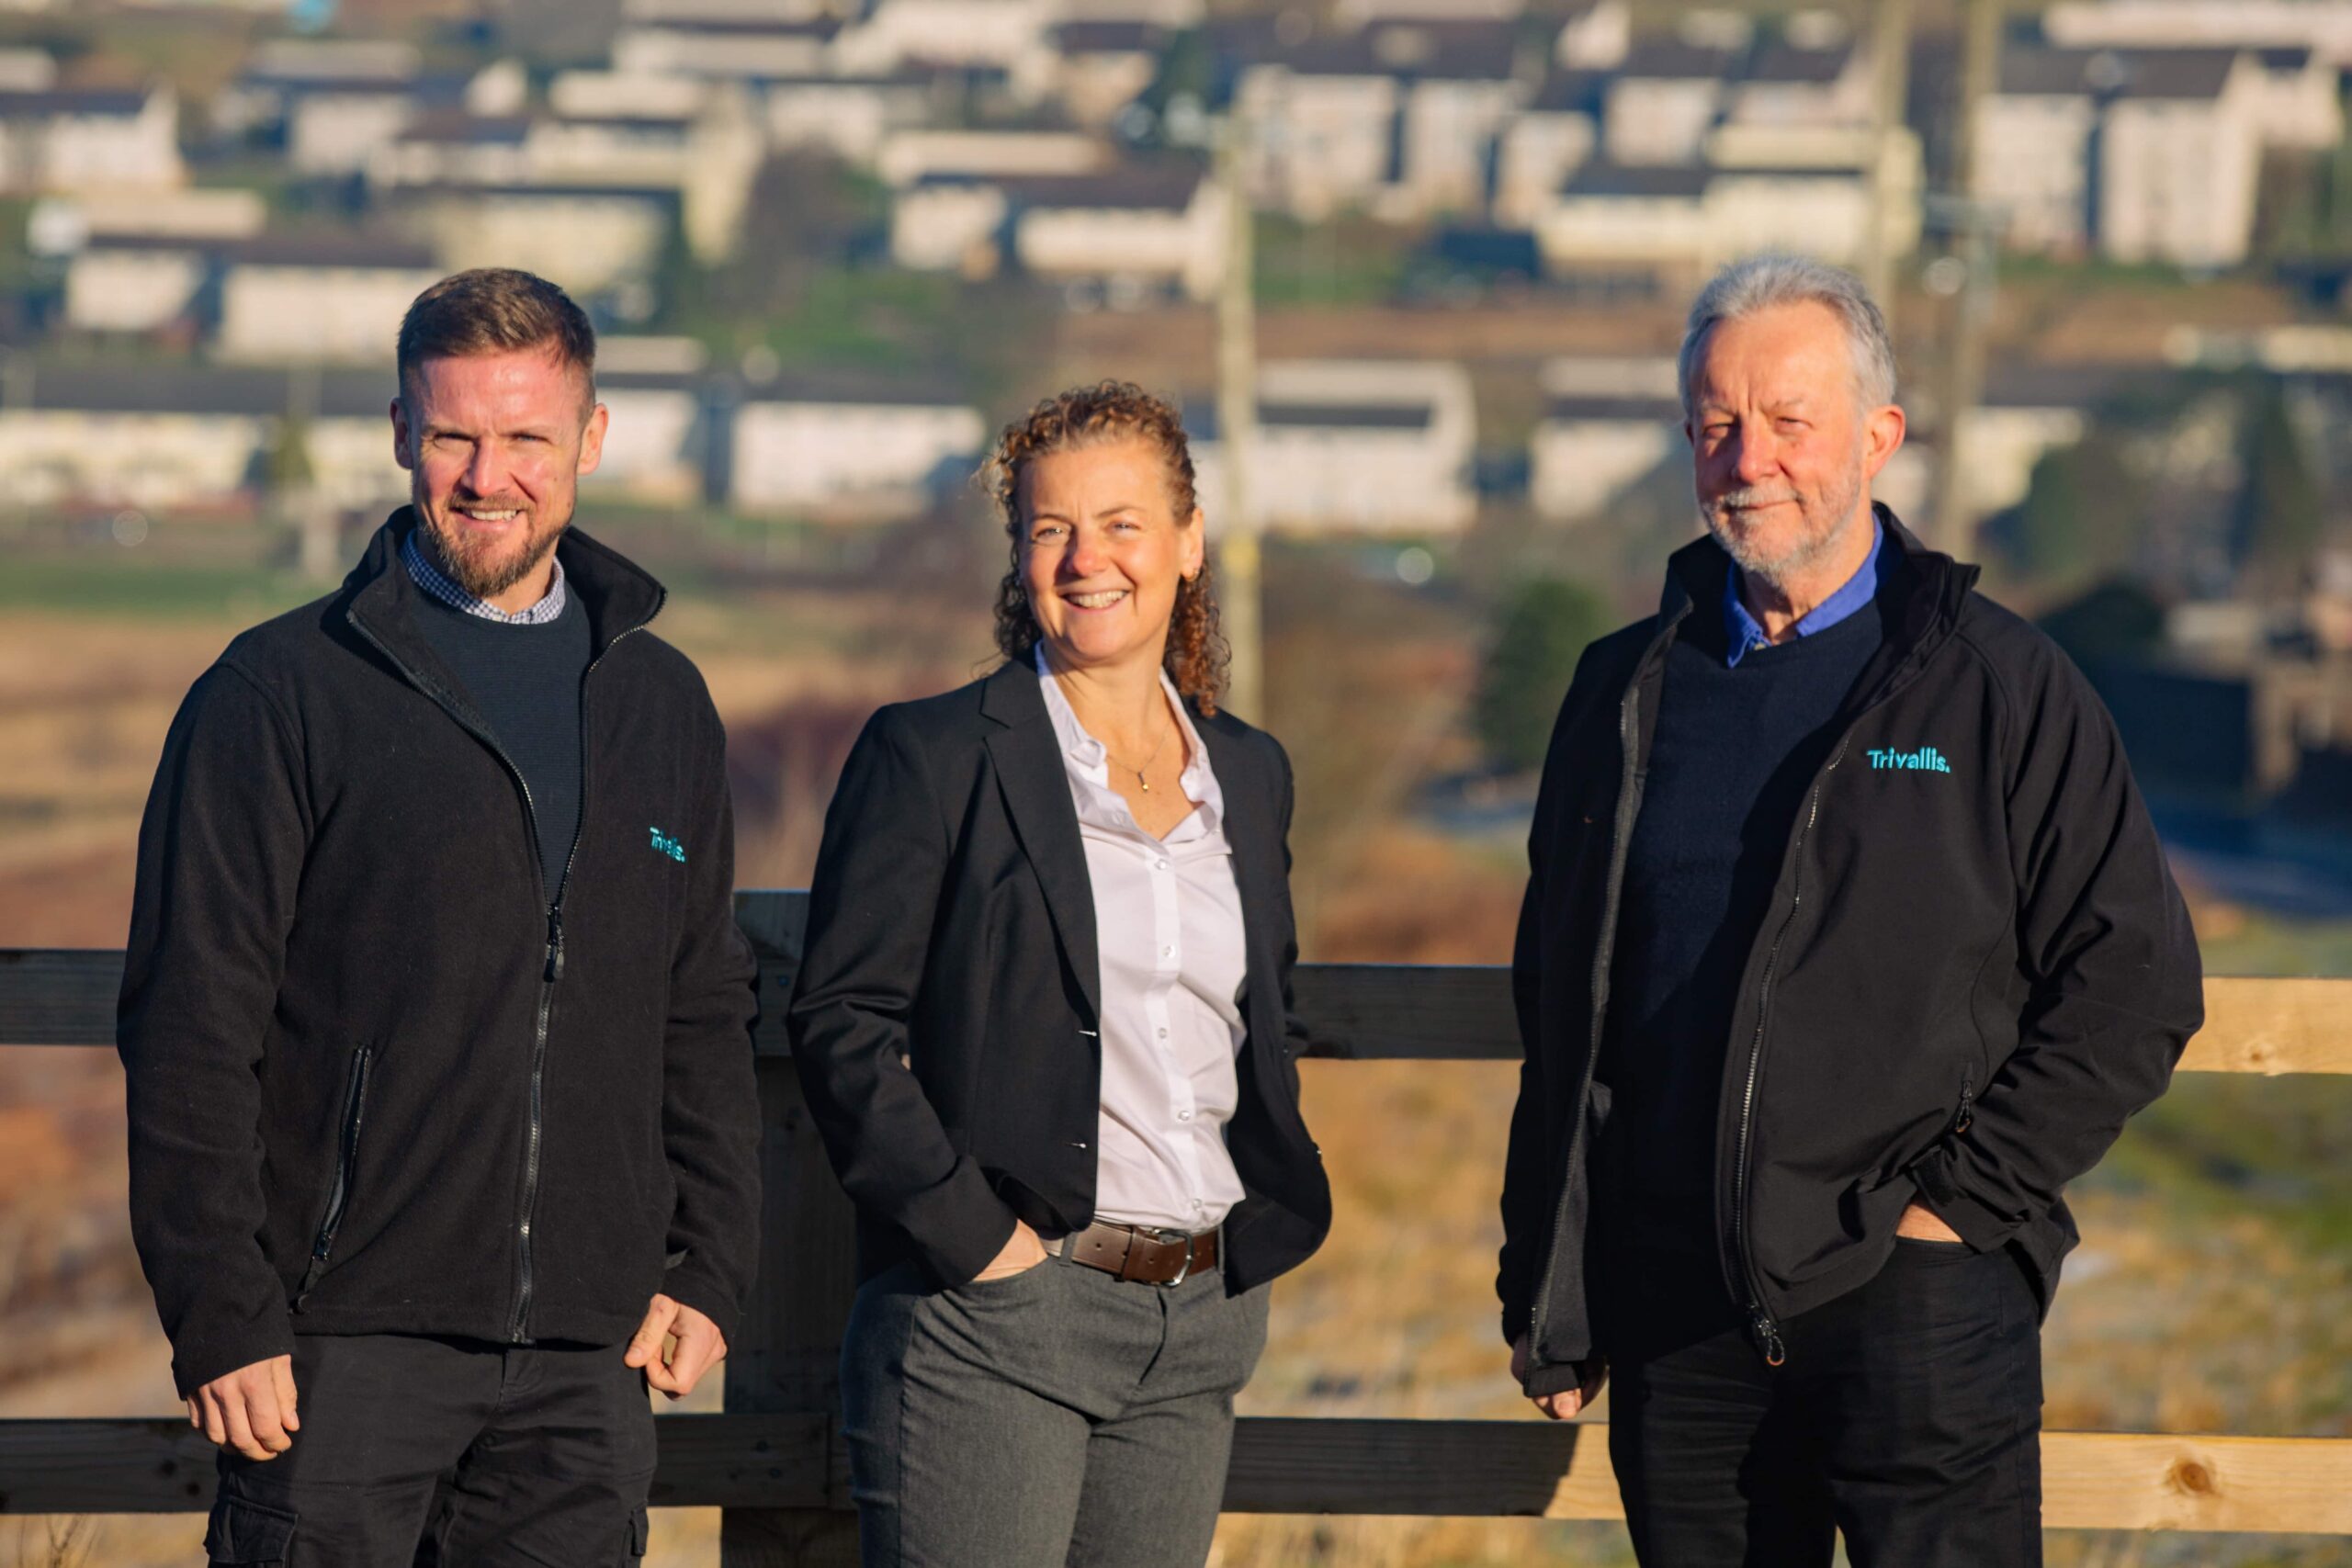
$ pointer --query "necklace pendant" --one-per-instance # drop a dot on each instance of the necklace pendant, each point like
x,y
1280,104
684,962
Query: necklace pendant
x,y
1145,781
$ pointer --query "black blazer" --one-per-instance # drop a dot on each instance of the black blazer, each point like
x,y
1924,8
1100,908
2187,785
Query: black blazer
x,y
944,1020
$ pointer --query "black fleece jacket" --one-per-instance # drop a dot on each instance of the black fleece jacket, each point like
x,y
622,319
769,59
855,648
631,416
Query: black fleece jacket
x,y
378,1082
1973,968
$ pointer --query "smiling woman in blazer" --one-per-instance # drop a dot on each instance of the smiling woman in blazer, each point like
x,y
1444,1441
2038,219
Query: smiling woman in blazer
x,y
1044,1021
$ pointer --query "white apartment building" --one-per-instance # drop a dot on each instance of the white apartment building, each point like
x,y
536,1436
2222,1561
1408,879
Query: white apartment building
x,y
1354,447
825,451
337,300
73,142
1139,228
1608,424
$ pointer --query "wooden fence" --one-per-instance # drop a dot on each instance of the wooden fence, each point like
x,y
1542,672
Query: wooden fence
x,y
774,1461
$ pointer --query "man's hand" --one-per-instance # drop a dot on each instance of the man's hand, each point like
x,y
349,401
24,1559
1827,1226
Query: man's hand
x,y
1920,1223
1021,1252
1590,1375
249,1410
695,1345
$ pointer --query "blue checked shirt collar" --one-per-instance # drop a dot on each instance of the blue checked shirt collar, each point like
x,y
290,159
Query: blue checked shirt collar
x,y
436,582
1743,634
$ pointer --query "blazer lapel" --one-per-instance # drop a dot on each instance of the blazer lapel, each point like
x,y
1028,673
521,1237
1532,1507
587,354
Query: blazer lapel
x,y
1252,834
1029,772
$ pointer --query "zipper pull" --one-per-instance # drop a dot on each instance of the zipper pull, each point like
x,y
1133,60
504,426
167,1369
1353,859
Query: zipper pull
x,y
555,942
1967,1110
1768,1338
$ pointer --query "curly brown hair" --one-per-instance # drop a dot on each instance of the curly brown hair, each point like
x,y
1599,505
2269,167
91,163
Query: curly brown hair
x,y
1089,416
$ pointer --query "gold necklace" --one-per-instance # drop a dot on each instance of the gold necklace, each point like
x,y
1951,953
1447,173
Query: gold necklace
x,y
1148,761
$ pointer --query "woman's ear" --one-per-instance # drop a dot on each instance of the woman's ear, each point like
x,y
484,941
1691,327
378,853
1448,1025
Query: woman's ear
x,y
1196,545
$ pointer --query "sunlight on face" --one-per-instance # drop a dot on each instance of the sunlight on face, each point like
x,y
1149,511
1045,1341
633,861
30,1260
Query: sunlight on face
x,y
495,444
1102,551
1783,450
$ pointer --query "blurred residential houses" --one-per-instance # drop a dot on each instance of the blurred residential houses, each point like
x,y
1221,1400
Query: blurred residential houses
x,y
1370,447
2323,26
847,448
1067,143
2133,130
2146,155
56,139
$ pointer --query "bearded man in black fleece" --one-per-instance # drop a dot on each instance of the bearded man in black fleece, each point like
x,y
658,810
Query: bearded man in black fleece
x,y
443,1131
1847,945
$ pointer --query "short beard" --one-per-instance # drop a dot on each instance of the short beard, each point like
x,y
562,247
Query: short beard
x,y
481,574
1821,519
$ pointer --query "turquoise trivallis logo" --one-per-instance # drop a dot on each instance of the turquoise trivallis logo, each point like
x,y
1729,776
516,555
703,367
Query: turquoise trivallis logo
x,y
665,845
1926,759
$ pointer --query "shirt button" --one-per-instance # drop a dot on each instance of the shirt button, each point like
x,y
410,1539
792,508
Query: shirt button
x,y
1163,1034
1161,864
1184,1116
1167,952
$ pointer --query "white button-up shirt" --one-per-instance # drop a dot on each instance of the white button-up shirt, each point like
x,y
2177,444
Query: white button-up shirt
x,y
1167,927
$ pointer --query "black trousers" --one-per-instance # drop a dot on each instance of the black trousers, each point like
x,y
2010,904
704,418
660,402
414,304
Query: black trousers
x,y
1907,1415
420,1452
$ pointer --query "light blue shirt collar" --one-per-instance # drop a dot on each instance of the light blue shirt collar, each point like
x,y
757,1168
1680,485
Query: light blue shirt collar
x,y
1743,633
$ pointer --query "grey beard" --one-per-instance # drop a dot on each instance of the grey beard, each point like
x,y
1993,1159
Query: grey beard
x,y
1813,542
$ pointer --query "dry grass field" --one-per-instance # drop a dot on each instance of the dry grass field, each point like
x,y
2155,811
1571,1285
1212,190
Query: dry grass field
x,y
2214,1292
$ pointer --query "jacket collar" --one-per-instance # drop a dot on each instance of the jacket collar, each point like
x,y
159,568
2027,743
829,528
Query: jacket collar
x,y
1931,590
380,598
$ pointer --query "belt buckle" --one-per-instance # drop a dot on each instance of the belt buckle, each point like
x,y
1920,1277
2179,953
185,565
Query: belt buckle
x,y
1176,1238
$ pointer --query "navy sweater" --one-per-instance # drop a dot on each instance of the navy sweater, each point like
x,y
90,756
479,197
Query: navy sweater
x,y
524,680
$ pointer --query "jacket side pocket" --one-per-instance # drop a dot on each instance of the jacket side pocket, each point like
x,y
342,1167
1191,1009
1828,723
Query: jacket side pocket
x,y
355,1105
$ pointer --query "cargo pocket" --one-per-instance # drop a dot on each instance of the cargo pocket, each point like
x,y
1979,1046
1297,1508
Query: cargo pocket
x,y
639,1533
242,1530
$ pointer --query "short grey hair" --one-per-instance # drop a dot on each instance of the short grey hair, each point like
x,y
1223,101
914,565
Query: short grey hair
x,y
1765,282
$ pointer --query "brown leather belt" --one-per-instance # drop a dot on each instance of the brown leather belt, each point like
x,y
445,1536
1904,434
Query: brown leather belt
x,y
1141,1254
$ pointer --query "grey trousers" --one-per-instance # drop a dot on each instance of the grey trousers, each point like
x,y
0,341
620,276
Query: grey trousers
x,y
1060,1418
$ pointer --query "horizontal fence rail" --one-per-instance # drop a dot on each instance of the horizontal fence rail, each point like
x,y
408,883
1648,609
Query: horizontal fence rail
x,y
1362,1012
1281,1465
775,1461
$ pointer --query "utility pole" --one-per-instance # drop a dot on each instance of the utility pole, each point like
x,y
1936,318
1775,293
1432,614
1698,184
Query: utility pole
x,y
1973,226
1240,597
1891,92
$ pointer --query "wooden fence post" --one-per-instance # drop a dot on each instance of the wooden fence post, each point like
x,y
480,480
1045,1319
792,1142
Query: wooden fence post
x,y
788,1349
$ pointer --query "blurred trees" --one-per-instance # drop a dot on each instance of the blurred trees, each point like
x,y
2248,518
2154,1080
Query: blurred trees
x,y
2117,619
2083,514
2276,523
1545,625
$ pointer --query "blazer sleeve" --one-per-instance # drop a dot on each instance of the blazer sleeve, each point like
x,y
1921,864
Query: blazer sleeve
x,y
1294,1028
880,870
220,854
2112,966
710,1125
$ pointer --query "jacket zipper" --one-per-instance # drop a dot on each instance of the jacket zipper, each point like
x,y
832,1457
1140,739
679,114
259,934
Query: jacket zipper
x,y
1967,1117
354,1100
552,969
553,973
1619,831
1761,1325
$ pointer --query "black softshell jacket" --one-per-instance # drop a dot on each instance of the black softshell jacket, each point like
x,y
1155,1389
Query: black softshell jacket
x,y
1975,966
378,1081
